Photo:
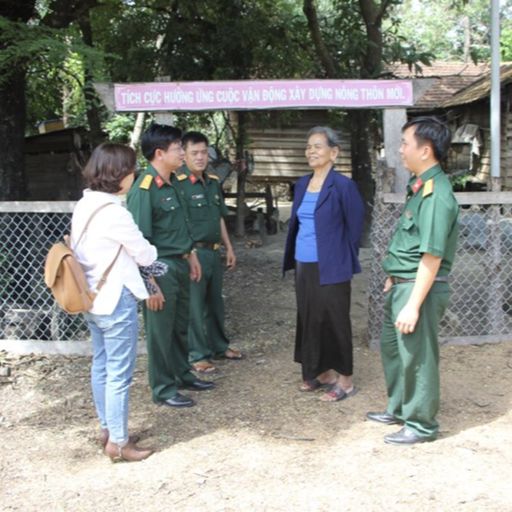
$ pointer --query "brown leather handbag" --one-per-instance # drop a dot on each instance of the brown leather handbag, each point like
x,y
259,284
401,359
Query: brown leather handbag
x,y
65,277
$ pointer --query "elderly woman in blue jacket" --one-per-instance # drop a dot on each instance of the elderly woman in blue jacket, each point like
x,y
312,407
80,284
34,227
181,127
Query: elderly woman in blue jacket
x,y
322,246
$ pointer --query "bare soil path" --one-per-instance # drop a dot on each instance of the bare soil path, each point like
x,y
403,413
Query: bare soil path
x,y
256,443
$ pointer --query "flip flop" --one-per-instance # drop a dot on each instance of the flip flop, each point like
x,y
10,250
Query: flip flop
x,y
337,393
203,367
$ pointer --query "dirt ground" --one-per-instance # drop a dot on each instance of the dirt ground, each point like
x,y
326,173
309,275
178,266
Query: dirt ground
x,y
256,443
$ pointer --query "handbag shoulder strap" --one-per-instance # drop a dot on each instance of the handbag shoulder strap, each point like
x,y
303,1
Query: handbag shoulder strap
x,y
101,282
103,278
89,221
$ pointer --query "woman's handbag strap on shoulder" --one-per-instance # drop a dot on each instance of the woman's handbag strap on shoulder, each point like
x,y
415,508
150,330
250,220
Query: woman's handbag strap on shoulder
x,y
103,278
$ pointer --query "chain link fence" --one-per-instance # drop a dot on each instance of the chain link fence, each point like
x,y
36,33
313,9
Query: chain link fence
x,y
27,308
480,308
481,280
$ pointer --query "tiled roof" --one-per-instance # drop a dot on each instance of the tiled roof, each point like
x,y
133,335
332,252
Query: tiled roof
x,y
439,69
479,89
449,77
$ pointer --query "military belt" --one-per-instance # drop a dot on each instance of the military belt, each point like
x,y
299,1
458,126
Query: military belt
x,y
207,245
398,280
179,256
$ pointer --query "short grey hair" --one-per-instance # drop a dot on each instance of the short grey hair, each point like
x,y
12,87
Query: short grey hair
x,y
332,137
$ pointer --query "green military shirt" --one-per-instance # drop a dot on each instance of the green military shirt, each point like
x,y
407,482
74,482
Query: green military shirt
x,y
160,212
205,205
428,224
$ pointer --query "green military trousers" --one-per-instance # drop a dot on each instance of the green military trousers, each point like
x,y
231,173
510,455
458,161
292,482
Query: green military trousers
x,y
411,361
166,333
206,335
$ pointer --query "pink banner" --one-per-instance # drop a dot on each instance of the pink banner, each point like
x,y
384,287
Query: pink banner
x,y
262,94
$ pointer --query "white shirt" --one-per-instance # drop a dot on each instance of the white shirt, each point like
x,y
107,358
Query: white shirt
x,y
111,227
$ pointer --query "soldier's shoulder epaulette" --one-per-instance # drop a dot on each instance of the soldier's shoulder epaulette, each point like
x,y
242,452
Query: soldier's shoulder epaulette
x,y
146,182
213,177
182,177
428,188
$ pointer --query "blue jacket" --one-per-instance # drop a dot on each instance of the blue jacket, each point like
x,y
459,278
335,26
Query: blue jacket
x,y
339,218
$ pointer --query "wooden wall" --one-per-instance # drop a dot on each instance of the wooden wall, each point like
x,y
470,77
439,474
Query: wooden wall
x,y
53,164
506,142
479,113
278,148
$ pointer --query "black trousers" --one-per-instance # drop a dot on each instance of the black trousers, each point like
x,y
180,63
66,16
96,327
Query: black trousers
x,y
323,339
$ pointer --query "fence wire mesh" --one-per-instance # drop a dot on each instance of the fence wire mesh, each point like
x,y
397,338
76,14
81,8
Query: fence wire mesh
x,y
27,308
480,281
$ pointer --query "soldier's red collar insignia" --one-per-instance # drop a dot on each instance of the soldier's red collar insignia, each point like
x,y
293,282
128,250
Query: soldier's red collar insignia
x,y
159,181
192,179
417,185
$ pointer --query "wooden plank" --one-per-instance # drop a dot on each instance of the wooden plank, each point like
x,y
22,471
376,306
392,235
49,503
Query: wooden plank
x,y
290,160
284,144
288,132
65,141
278,174
271,168
282,179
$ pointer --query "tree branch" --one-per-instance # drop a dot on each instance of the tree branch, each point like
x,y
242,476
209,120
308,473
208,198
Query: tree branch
x,y
325,57
383,8
64,12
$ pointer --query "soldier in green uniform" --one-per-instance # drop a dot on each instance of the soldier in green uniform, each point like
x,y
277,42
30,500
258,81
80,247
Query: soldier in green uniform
x,y
417,263
206,335
161,214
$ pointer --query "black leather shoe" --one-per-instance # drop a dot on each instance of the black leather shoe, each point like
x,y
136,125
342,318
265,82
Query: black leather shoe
x,y
384,417
178,400
199,385
406,436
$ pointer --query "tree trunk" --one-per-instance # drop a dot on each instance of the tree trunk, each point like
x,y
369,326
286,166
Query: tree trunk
x,y
242,176
240,200
12,136
309,9
359,121
137,129
12,112
93,104
467,38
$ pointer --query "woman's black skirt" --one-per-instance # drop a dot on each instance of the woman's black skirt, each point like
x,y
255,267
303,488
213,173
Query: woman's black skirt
x,y
323,339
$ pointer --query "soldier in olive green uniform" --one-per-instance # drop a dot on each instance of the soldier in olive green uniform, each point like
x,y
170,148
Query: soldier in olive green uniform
x,y
418,262
206,335
161,214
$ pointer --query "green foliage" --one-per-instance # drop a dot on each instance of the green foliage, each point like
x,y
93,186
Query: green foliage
x,y
57,94
53,59
37,47
506,42
119,127
224,39
207,40
459,181
129,35
439,27
346,37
